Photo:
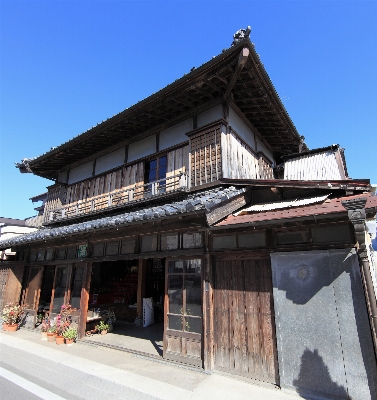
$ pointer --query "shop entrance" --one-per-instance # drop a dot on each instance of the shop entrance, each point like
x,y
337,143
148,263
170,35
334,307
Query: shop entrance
x,y
47,288
132,292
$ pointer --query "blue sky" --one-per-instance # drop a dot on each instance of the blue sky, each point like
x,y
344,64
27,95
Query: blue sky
x,y
67,65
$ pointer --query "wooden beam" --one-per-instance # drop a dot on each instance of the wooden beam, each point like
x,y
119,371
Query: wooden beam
x,y
244,54
84,300
222,79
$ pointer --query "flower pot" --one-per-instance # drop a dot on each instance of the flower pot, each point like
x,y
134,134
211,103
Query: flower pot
x,y
10,327
69,342
104,332
59,340
50,337
43,335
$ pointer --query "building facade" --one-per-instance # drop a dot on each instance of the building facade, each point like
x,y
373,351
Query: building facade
x,y
204,198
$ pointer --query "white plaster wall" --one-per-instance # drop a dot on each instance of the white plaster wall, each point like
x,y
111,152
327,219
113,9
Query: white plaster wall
x,y
212,114
110,161
236,122
261,147
62,177
175,134
81,172
141,148
9,231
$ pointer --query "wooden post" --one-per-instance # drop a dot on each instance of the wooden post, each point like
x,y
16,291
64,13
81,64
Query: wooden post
x,y
208,327
142,269
84,300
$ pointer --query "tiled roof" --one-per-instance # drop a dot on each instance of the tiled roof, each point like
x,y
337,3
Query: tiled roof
x,y
328,207
203,201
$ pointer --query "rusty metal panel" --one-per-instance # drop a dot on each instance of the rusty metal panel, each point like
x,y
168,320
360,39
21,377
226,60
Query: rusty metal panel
x,y
324,342
333,206
320,166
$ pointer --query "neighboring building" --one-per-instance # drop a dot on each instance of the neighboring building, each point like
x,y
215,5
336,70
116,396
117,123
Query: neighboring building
x,y
205,198
9,228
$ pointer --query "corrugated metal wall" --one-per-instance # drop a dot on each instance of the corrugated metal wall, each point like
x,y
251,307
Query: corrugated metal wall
x,y
320,166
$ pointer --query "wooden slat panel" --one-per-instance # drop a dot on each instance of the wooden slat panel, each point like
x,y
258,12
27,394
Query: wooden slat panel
x,y
206,156
245,342
170,170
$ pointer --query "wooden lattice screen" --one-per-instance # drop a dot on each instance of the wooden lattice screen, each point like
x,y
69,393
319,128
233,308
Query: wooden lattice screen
x,y
206,156
55,196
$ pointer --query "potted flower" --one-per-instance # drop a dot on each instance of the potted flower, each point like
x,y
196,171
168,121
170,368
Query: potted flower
x,y
102,328
45,327
11,316
70,334
51,333
63,321
59,329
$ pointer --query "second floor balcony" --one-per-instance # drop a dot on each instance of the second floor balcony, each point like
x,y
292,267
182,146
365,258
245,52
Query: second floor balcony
x,y
113,199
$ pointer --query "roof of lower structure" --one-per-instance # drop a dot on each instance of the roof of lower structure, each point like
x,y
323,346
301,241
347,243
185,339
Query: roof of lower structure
x,y
204,201
314,211
252,92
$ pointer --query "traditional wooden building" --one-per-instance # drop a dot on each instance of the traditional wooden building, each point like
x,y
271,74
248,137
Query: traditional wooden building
x,y
205,198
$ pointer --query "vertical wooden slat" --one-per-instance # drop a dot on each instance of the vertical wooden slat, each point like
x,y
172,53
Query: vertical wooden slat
x,y
245,342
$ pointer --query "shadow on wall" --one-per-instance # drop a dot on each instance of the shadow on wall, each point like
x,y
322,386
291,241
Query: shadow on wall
x,y
304,279
312,371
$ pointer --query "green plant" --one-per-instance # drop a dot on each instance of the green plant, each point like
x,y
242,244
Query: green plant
x,y
102,326
12,313
109,316
51,329
70,333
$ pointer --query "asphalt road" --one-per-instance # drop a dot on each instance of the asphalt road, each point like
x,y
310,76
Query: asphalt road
x,y
11,391
26,376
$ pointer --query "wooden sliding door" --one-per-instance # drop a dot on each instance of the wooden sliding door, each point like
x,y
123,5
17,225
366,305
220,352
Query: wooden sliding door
x,y
31,295
183,311
244,322
61,292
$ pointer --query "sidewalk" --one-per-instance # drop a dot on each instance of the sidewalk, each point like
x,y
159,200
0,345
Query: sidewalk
x,y
112,374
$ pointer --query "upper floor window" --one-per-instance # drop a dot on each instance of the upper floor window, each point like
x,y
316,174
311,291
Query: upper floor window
x,y
155,175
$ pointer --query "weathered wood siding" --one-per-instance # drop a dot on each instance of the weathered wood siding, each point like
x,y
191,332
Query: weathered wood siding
x,y
178,161
55,198
205,155
129,177
244,330
239,161
133,177
265,169
10,284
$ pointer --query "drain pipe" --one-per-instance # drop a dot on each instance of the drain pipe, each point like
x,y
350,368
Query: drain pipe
x,y
357,216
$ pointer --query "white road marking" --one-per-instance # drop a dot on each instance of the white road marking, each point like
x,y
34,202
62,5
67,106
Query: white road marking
x,y
29,386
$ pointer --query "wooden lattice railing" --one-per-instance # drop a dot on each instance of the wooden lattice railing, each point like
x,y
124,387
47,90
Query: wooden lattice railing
x,y
120,197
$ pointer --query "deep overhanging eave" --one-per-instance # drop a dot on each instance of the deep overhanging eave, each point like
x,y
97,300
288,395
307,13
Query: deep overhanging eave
x,y
198,84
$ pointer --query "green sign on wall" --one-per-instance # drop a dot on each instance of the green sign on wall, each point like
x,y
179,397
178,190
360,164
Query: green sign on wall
x,y
82,251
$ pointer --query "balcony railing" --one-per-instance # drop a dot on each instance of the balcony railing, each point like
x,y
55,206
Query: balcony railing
x,y
121,197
